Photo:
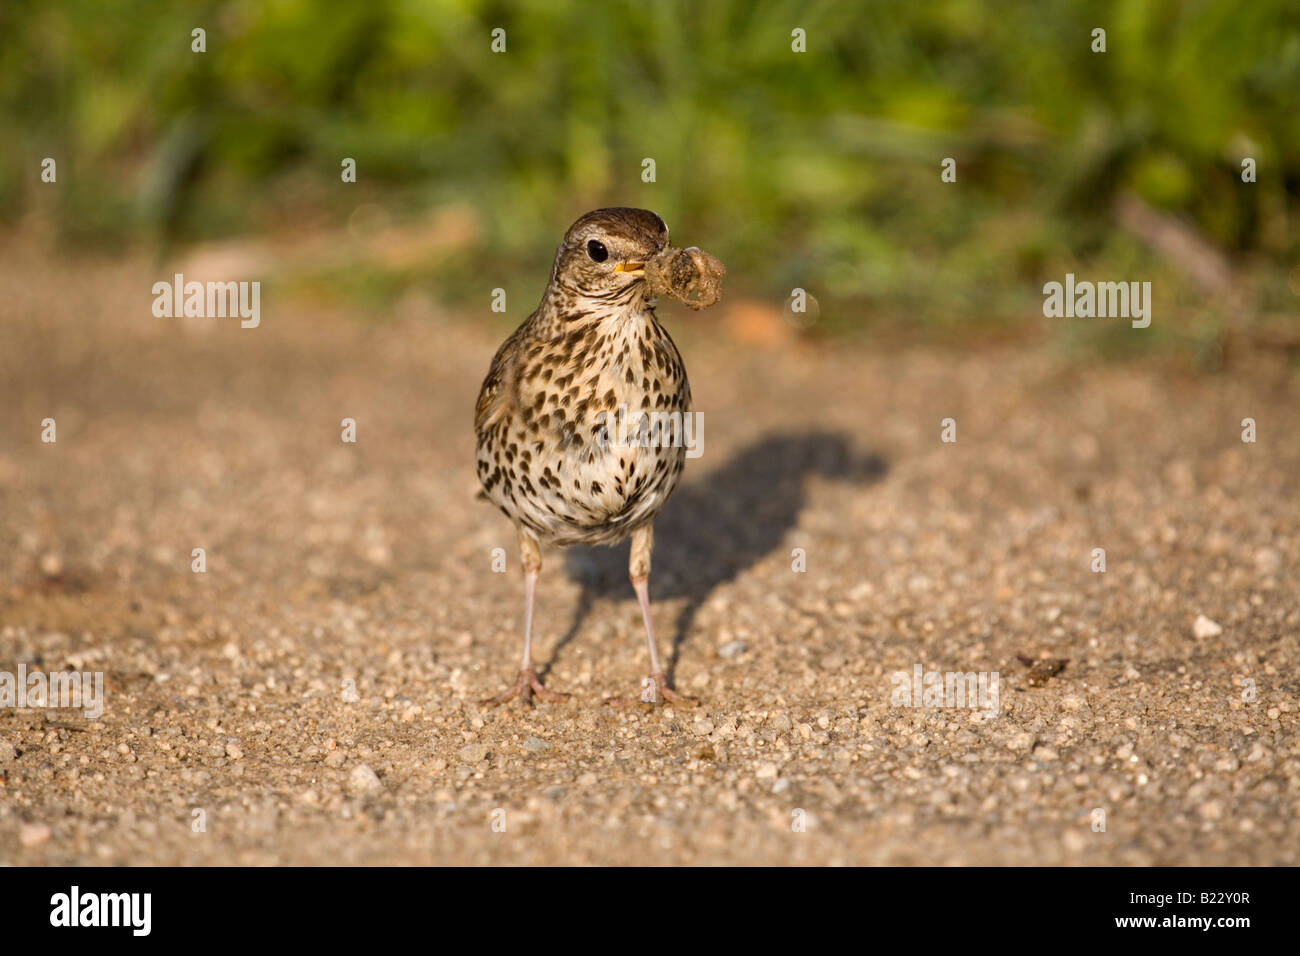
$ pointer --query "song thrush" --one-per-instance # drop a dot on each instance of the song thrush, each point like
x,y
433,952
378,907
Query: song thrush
x,y
592,351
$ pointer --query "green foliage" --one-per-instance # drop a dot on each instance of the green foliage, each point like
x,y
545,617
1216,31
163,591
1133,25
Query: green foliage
x,y
818,169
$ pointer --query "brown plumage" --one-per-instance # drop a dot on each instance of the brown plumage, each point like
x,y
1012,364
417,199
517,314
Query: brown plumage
x,y
549,454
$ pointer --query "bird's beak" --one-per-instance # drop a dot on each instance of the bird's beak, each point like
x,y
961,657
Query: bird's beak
x,y
636,269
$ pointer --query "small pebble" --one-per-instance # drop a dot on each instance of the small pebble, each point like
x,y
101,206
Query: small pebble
x,y
1204,627
1021,741
1268,561
472,753
732,649
33,834
363,779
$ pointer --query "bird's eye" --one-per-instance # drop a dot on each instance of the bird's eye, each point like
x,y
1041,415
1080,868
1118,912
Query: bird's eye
x,y
597,251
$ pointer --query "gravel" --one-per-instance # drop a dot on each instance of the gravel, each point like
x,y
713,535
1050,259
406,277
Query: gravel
x,y
315,692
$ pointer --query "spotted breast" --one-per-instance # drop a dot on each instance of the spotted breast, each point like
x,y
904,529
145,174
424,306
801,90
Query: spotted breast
x,y
580,419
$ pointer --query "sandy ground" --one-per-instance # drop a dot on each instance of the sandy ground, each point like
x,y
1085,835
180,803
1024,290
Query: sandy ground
x,y
229,734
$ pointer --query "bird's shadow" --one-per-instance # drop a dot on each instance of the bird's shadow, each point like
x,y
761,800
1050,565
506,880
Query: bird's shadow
x,y
714,528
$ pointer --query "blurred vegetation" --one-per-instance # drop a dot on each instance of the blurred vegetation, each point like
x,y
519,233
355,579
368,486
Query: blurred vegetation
x,y
819,170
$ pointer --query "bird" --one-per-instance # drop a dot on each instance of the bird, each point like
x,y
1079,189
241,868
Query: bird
x,y
591,356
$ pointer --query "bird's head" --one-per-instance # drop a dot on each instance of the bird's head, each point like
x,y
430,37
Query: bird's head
x,y
604,253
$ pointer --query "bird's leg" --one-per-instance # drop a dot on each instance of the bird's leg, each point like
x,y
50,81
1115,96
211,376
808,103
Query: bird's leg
x,y
654,688
528,682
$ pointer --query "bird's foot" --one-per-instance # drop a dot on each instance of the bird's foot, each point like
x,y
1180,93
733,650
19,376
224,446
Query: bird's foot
x,y
655,690
524,688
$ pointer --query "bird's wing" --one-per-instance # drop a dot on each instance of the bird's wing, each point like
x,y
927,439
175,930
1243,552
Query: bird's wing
x,y
499,392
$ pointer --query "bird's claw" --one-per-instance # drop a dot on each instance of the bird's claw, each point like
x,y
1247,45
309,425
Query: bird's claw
x,y
654,690
524,688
